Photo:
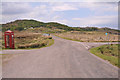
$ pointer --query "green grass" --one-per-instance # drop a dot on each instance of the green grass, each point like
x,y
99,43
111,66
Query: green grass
x,y
51,42
107,52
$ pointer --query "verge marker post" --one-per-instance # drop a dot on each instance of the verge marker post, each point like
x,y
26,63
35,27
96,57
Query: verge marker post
x,y
108,38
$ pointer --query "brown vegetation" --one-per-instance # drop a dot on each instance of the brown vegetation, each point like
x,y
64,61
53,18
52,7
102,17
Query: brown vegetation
x,y
88,36
26,39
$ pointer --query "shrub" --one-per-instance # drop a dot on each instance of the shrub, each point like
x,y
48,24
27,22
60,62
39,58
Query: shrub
x,y
20,28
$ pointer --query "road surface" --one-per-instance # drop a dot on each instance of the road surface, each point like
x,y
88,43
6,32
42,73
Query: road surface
x,y
64,59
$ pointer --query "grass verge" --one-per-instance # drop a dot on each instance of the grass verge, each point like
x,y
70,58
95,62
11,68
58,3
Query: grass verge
x,y
88,36
50,42
107,52
83,41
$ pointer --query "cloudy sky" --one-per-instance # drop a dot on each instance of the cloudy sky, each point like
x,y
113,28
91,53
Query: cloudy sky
x,y
74,14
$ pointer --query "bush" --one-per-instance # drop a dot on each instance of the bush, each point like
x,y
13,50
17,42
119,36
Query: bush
x,y
20,28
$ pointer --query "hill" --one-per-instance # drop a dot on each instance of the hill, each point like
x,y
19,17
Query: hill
x,y
25,24
22,24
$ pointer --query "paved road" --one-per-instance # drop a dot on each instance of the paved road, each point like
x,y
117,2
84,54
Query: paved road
x,y
64,59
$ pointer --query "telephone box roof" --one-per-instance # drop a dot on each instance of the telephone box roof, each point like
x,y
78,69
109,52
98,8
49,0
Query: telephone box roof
x,y
9,31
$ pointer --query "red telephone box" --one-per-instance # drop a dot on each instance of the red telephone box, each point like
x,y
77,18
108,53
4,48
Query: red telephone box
x,y
9,39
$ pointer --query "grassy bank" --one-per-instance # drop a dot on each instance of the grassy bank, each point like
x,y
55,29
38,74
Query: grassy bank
x,y
88,36
30,40
107,52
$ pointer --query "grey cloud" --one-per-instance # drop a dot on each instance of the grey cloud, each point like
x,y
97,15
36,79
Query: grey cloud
x,y
9,8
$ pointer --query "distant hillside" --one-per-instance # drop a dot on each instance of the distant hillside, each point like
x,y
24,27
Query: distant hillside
x,y
21,24
25,24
